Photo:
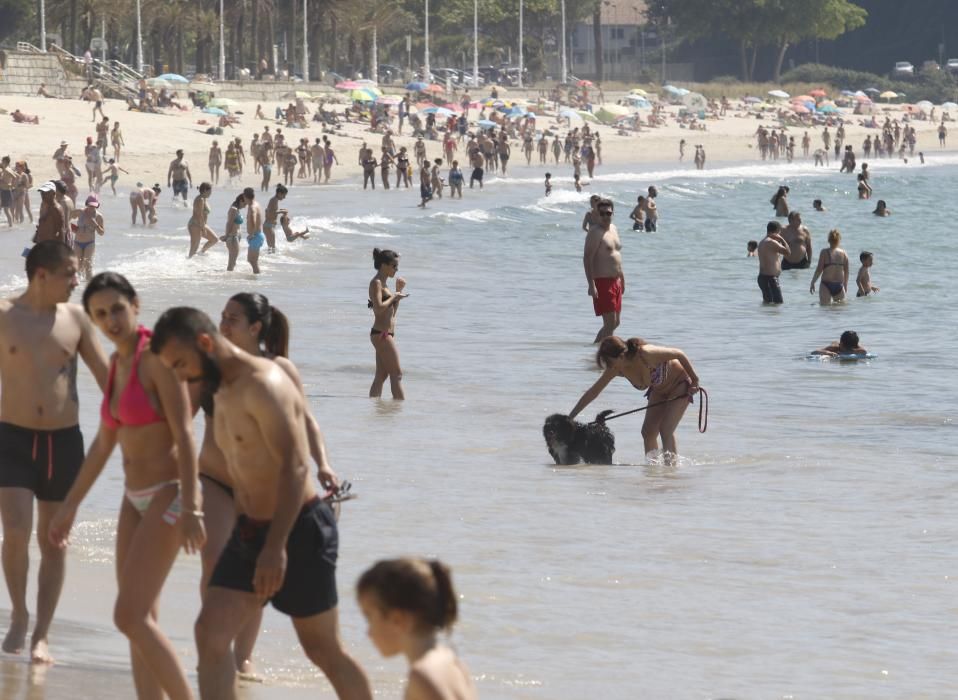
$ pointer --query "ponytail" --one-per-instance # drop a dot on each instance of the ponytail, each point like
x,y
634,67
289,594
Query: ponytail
x,y
275,337
446,609
384,257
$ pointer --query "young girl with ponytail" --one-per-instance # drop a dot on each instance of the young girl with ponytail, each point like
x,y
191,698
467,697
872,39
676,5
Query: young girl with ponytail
x,y
407,602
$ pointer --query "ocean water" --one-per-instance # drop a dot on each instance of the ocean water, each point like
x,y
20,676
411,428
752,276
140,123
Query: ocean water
x,y
804,546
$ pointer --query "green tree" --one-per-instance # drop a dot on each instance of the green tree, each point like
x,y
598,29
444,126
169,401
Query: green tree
x,y
797,20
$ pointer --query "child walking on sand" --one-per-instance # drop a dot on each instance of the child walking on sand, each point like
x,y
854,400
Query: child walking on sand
x,y
407,602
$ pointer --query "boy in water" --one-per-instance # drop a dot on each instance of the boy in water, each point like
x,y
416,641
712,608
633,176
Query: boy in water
x,y
113,175
752,249
817,205
847,345
864,279
548,184
290,234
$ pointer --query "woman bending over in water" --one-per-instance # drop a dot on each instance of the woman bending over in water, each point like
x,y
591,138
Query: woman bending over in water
x,y
249,322
147,411
198,226
664,374
385,306
833,269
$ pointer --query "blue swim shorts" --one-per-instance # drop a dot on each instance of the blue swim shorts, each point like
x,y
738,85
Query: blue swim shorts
x,y
256,241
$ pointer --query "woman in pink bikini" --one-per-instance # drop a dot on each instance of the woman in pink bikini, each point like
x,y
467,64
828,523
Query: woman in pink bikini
x,y
147,411
664,374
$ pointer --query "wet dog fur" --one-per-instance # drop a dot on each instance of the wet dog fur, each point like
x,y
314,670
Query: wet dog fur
x,y
571,442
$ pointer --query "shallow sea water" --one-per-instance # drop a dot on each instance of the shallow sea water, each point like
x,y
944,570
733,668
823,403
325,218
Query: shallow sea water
x,y
804,547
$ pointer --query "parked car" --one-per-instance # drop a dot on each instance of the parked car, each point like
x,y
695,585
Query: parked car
x,y
952,64
930,67
904,68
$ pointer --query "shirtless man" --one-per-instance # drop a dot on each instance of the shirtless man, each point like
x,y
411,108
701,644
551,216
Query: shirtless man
x,y
770,249
41,447
272,213
96,97
799,240
602,261
255,238
318,154
179,177
50,219
284,546
8,180
67,205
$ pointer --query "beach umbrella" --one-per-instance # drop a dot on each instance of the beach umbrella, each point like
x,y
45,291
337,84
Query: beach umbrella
x,y
752,100
486,123
452,107
694,101
924,104
949,105
434,89
430,110
223,102
672,90
444,112
584,83
779,94
873,91
417,87
587,116
159,83
348,85
215,110
296,95
888,95
818,92
800,109
638,91
803,99
366,81
827,109
362,95
863,99
607,114
639,102
173,78
388,100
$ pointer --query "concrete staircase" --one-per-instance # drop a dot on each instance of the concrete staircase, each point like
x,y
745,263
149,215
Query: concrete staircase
x,y
21,73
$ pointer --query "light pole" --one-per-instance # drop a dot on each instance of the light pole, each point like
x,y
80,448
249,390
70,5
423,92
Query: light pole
x,y
222,46
305,45
564,69
425,59
375,61
475,44
520,45
43,26
139,38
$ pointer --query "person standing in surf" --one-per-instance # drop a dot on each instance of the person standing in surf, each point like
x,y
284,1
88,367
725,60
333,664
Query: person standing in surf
x,y
602,260
385,306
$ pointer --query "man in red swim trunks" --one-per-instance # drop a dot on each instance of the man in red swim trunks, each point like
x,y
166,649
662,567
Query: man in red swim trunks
x,y
602,260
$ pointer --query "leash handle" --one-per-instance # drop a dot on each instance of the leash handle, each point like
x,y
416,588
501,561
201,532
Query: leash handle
x,y
703,406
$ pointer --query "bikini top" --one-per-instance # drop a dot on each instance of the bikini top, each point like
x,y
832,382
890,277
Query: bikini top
x,y
238,220
657,374
830,262
133,406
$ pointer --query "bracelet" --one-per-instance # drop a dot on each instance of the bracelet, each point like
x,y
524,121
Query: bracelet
x,y
196,513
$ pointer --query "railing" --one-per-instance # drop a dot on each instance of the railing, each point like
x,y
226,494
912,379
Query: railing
x,y
27,47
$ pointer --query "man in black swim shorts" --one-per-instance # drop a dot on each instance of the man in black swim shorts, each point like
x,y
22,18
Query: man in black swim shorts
x,y
799,240
770,252
179,177
41,448
284,546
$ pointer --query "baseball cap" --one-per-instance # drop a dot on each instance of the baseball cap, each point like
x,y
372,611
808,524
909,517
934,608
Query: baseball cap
x,y
93,201
47,186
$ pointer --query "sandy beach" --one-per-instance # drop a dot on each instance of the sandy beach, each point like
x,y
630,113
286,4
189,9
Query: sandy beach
x,y
152,139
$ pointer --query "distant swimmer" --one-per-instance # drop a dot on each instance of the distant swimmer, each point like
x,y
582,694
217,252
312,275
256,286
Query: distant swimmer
x,y
145,409
665,375
848,344
385,306
198,225
881,209
284,544
779,201
41,447
833,269
407,603
548,184
818,206
864,279
602,260
770,252
799,240
752,249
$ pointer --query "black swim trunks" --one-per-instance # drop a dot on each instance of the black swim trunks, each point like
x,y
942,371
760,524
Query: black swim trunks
x,y
43,461
6,199
771,290
309,587
802,264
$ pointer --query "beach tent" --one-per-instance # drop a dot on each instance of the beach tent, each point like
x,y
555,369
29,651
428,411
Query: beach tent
x,y
827,109
638,102
924,104
694,101
587,116
949,105
779,94
676,91
752,100
607,114
638,91
223,103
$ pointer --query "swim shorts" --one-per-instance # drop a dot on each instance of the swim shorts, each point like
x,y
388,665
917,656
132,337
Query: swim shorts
x,y
43,461
609,295
803,264
771,290
256,241
180,187
651,224
6,199
309,587
476,174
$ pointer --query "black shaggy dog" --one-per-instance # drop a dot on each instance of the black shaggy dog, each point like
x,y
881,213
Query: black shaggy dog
x,y
571,442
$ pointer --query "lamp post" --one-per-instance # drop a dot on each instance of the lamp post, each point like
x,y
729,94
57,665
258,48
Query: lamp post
x,y
139,38
564,69
519,82
475,44
43,26
425,60
305,45
222,46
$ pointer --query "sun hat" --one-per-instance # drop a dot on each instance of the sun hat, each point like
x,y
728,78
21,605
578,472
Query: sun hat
x,y
92,201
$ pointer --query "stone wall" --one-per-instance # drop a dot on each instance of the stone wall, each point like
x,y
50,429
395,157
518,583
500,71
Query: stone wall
x,y
22,73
